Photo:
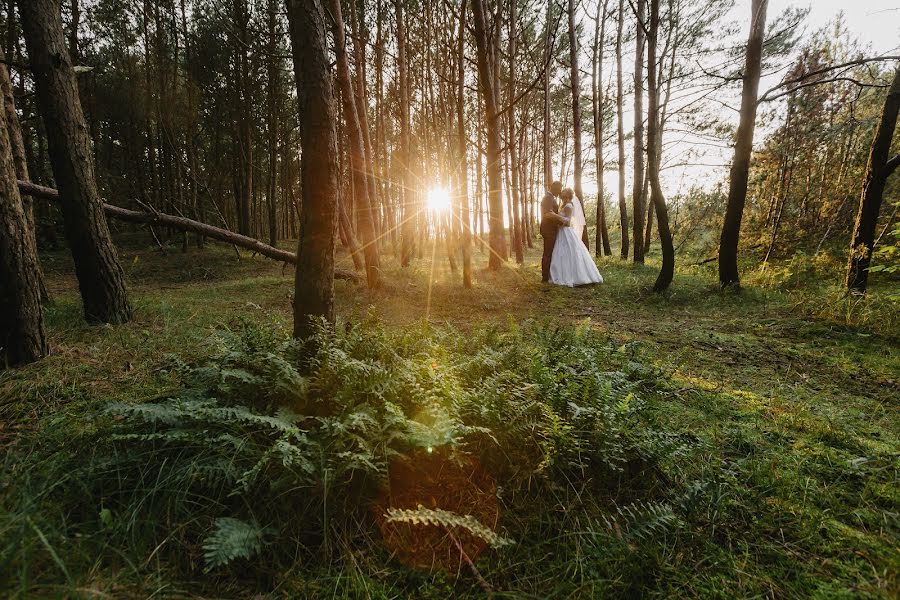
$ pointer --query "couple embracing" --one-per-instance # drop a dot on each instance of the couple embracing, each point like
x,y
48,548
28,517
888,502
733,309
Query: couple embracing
x,y
566,260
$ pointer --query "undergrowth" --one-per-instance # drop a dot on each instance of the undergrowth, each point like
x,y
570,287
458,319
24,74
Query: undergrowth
x,y
260,465
270,454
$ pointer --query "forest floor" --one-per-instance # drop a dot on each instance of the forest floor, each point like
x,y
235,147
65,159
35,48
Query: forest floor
x,y
808,381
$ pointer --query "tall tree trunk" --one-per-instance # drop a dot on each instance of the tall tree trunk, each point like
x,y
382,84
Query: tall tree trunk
x,y
602,232
272,91
548,167
743,148
358,163
620,131
407,212
515,225
17,144
575,79
100,277
22,337
486,74
463,192
653,158
637,187
314,279
878,169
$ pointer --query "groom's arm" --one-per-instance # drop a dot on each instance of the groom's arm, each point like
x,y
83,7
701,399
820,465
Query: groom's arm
x,y
548,214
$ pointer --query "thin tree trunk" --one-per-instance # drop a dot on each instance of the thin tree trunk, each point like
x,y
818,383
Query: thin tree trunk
x,y
620,130
602,233
878,169
487,76
100,277
463,192
575,79
637,188
743,148
358,162
653,158
515,195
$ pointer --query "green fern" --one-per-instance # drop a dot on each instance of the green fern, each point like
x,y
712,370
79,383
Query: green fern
x,y
232,539
448,520
639,521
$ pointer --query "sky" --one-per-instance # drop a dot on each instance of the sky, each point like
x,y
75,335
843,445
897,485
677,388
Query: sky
x,y
874,22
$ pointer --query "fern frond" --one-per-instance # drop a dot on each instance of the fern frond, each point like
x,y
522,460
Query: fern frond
x,y
232,539
448,520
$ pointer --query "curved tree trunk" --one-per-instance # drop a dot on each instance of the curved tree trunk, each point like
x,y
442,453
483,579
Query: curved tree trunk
x,y
743,148
878,170
653,158
314,279
22,337
100,277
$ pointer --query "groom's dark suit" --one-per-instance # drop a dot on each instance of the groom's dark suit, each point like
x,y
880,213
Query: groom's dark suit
x,y
549,229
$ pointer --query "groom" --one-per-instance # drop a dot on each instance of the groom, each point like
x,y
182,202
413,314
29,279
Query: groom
x,y
550,223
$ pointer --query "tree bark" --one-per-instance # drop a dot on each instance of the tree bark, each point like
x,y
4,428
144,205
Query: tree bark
x,y
620,131
743,148
575,79
100,277
637,186
314,279
17,144
512,141
653,158
878,169
548,167
33,190
22,336
462,175
407,212
486,74
358,163
602,233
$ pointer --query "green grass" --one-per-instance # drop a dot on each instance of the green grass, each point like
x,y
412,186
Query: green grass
x,y
789,388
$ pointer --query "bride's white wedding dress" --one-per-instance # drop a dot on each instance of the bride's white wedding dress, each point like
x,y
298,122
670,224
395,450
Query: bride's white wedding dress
x,y
572,263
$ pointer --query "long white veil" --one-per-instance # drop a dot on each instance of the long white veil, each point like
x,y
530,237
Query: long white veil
x,y
578,220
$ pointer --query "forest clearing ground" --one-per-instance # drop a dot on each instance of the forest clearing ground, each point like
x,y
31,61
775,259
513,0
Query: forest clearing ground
x,y
812,402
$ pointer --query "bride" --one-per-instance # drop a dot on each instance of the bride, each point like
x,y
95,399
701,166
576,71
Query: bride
x,y
572,264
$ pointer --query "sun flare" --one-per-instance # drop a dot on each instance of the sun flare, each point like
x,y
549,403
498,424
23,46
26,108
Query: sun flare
x,y
438,199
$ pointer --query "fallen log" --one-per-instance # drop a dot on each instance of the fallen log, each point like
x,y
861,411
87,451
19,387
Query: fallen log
x,y
184,224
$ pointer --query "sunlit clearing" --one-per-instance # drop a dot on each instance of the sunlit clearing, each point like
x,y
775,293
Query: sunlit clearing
x,y
438,199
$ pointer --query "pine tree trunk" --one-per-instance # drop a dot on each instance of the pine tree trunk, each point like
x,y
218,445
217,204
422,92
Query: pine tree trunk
x,y
487,78
463,193
878,169
653,158
17,143
407,213
22,337
743,148
358,163
100,277
602,233
575,80
637,188
620,131
314,280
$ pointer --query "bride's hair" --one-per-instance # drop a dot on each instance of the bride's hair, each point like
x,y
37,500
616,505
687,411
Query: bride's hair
x,y
567,193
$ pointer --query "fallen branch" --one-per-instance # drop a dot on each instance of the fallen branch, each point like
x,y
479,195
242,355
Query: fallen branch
x,y
184,224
